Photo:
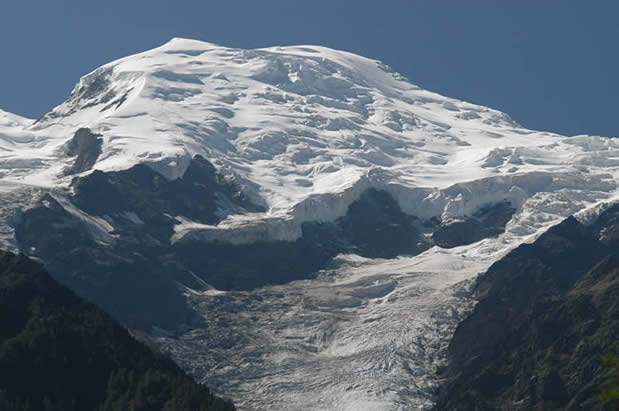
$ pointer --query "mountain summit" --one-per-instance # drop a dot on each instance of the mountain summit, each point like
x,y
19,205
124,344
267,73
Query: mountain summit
x,y
295,126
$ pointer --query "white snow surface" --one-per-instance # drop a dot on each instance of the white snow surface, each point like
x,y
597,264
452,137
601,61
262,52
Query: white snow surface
x,y
305,130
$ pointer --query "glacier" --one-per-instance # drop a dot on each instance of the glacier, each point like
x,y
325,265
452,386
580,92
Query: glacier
x,y
304,131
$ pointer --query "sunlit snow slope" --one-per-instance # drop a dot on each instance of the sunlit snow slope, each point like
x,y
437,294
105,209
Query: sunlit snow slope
x,y
304,131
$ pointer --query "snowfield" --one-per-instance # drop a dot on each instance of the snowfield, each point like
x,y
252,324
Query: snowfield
x,y
305,131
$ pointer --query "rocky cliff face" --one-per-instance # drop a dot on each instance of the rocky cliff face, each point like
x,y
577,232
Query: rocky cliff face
x,y
546,313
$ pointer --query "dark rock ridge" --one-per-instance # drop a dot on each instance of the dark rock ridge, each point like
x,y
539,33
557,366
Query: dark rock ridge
x,y
59,353
489,221
134,271
86,146
546,313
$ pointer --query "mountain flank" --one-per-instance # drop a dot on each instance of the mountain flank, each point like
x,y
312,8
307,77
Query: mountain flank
x,y
546,314
58,352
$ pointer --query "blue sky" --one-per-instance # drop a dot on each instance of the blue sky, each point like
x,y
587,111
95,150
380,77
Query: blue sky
x,y
552,64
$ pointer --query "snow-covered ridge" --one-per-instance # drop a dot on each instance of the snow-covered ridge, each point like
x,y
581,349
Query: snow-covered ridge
x,y
304,130
9,120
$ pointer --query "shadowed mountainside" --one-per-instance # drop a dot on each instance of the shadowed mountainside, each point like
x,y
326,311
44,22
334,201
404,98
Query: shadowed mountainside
x,y
546,313
60,353
111,241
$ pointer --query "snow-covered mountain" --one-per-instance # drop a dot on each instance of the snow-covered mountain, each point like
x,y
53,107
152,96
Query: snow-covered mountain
x,y
292,166
298,125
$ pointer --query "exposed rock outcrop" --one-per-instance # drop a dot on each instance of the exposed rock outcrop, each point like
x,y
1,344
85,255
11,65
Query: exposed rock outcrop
x,y
546,313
